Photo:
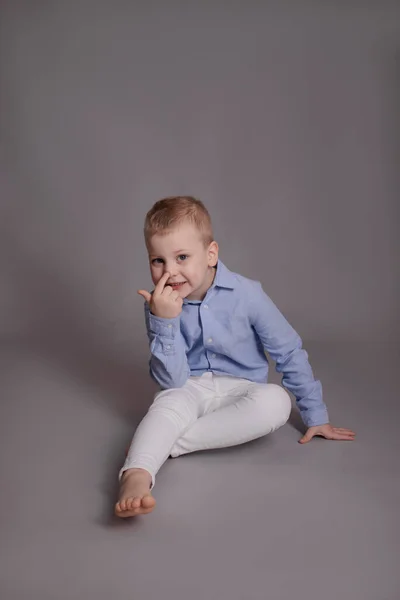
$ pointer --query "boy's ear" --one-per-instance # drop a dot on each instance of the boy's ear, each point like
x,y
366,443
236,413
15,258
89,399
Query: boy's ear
x,y
213,254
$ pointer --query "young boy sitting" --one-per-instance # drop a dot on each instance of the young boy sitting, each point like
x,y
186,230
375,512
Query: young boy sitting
x,y
209,329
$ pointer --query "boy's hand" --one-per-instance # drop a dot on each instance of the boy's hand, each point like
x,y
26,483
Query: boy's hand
x,y
328,432
164,302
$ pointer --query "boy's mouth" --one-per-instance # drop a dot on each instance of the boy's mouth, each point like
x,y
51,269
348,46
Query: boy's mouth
x,y
176,286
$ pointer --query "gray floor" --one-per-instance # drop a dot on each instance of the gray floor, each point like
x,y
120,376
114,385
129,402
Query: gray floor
x,y
270,519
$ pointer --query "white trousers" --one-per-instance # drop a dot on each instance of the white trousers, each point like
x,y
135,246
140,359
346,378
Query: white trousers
x,y
211,411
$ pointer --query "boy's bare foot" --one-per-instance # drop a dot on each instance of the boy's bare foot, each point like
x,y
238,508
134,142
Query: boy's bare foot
x,y
135,497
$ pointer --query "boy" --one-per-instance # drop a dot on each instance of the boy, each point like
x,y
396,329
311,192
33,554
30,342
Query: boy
x,y
208,330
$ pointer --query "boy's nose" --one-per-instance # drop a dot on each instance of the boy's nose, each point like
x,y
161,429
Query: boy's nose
x,y
171,269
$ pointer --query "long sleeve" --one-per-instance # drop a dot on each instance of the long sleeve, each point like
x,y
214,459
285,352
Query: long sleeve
x,y
284,345
168,362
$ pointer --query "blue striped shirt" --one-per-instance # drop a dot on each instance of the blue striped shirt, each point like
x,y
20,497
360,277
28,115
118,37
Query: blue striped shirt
x,y
228,333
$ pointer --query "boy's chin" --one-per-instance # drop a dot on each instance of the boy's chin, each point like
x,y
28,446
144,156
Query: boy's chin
x,y
186,293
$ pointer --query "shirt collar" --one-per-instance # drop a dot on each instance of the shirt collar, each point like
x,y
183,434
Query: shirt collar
x,y
224,277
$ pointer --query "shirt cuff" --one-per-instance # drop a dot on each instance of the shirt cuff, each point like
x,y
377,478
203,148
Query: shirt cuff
x,y
167,328
315,417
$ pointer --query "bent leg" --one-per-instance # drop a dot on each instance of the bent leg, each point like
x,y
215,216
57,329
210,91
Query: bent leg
x,y
262,409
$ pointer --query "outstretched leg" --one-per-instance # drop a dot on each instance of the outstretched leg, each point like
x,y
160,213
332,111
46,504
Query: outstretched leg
x,y
171,414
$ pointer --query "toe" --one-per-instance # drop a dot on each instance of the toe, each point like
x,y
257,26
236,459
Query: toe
x,y
147,502
136,502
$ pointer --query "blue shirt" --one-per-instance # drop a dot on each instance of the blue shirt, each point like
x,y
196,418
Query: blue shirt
x,y
228,333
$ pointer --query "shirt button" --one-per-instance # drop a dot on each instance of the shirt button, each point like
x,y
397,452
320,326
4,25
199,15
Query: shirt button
x,y
205,305
169,326
209,340
168,347
213,355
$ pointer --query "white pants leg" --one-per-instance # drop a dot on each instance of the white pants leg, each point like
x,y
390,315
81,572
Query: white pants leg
x,y
246,412
172,412
207,412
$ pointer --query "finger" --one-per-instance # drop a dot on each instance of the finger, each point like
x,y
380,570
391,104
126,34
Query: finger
x,y
167,291
341,430
175,295
146,295
161,284
347,434
341,436
306,438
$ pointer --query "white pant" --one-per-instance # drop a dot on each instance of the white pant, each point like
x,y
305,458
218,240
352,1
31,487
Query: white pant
x,y
211,411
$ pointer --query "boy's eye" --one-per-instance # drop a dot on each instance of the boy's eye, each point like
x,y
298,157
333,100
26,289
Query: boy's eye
x,y
159,261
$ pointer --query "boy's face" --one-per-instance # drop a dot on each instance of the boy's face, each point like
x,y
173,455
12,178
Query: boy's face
x,y
181,252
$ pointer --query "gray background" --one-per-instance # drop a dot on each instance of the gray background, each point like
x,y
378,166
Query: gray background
x,y
283,118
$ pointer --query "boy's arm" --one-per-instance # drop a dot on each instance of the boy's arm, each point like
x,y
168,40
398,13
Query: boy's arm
x,y
168,362
284,345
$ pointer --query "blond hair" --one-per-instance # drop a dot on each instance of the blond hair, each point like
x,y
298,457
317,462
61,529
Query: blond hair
x,y
174,210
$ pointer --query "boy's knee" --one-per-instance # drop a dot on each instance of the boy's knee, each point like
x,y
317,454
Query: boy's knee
x,y
276,405
283,400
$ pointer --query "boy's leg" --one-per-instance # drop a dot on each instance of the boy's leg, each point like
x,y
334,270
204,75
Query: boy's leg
x,y
249,411
172,412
